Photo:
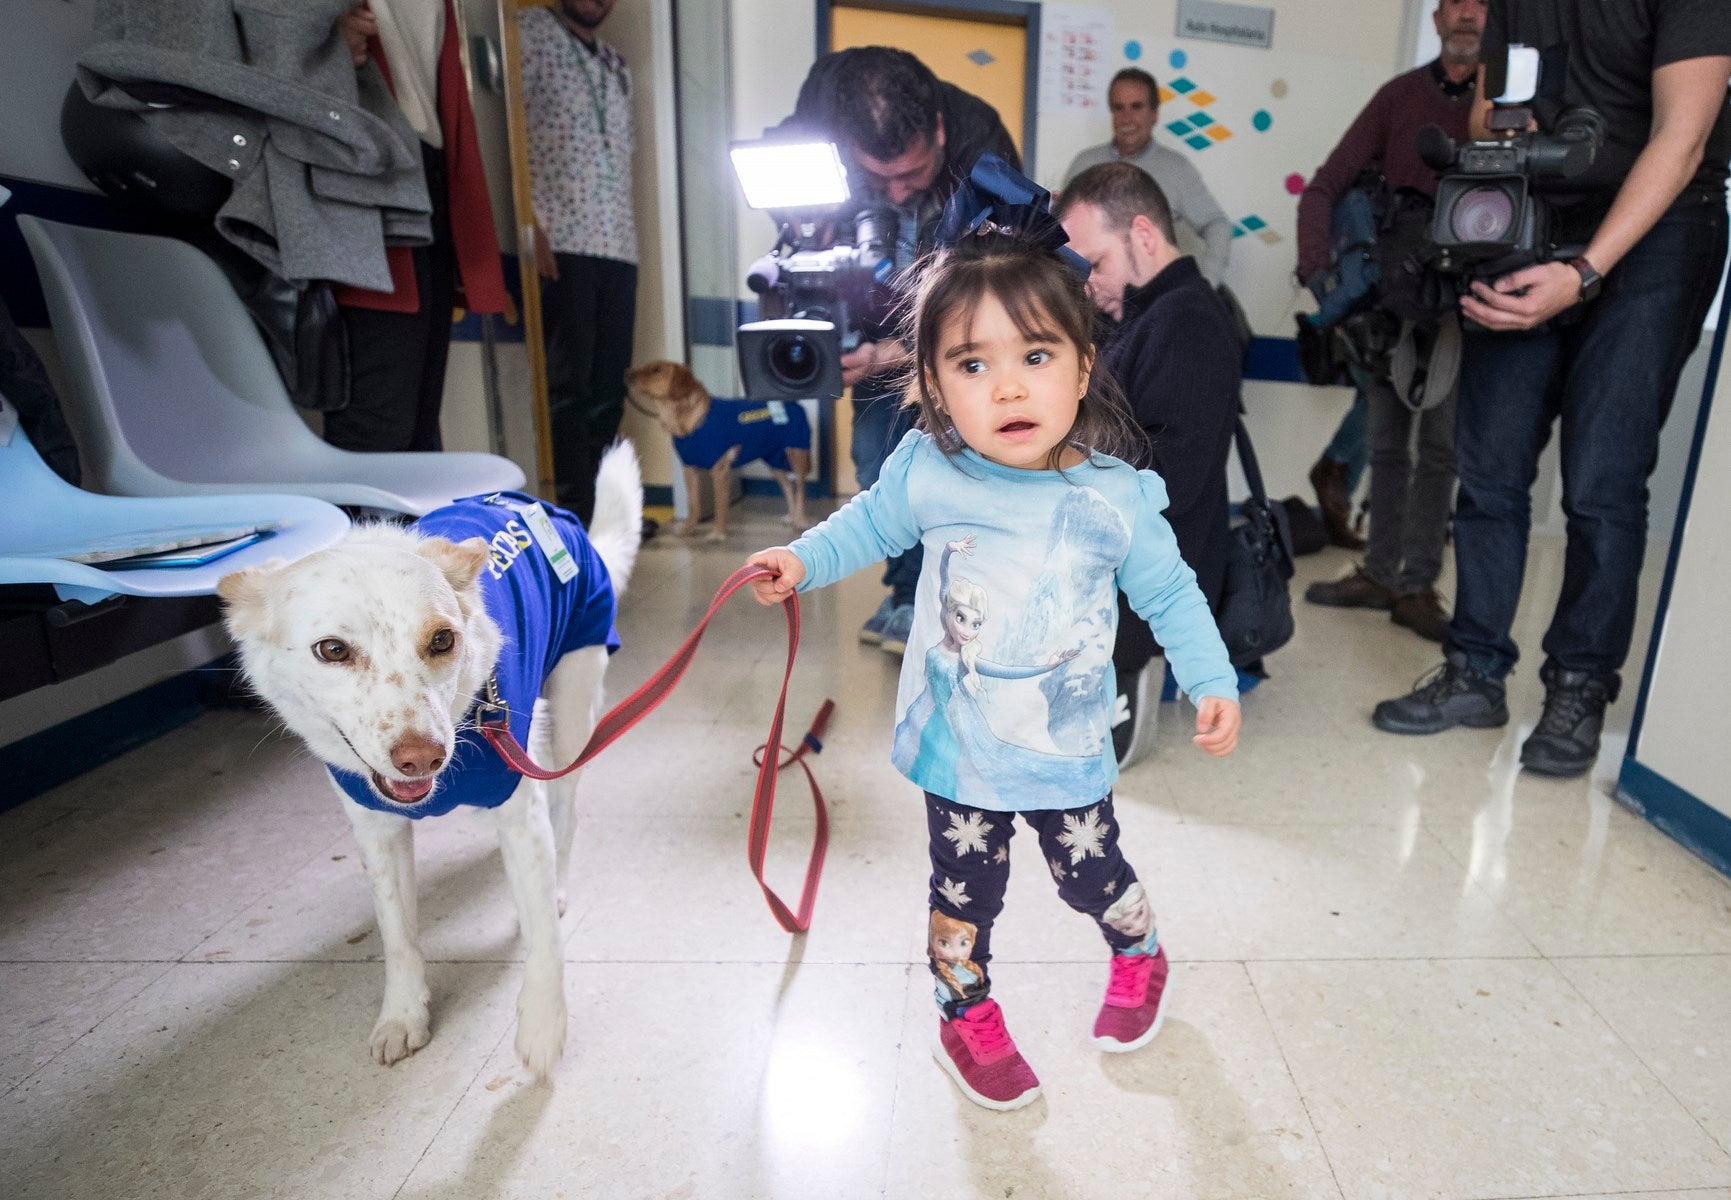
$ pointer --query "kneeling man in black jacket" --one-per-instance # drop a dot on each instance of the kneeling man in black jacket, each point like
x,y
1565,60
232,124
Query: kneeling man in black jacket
x,y
1175,352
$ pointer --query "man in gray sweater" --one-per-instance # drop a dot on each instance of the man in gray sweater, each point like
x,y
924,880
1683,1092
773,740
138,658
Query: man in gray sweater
x,y
1134,98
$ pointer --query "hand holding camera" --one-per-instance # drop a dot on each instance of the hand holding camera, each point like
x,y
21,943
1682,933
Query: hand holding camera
x,y
872,358
1524,298
1492,228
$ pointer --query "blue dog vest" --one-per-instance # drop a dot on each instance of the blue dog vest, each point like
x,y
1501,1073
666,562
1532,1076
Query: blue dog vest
x,y
542,618
762,430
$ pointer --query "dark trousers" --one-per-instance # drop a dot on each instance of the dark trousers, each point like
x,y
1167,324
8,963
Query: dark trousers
x,y
1410,494
588,316
1135,646
1351,444
971,867
1610,377
397,360
879,424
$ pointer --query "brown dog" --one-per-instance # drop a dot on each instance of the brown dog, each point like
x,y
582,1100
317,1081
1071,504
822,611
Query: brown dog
x,y
718,435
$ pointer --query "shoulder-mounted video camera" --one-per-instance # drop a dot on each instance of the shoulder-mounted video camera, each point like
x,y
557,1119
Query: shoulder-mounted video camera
x,y
1490,217
819,285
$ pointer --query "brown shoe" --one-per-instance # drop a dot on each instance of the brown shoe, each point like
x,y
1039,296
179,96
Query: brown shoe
x,y
1329,479
1357,590
1422,612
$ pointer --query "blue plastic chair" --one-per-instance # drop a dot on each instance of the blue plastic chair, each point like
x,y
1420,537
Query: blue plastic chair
x,y
172,391
43,518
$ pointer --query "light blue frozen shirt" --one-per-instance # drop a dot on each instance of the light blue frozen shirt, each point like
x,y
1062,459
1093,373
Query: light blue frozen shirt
x,y
1007,683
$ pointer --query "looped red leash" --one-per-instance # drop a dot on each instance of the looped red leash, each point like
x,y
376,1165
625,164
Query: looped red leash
x,y
494,717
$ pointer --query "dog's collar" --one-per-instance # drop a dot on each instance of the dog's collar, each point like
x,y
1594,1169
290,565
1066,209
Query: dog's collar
x,y
490,708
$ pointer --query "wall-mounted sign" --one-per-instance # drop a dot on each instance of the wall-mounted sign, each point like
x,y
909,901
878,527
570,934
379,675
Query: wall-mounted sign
x,y
1240,24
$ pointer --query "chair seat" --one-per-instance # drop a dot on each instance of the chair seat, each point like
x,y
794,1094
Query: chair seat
x,y
45,518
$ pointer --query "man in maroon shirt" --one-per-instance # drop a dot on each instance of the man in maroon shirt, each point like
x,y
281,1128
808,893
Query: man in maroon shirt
x,y
1409,501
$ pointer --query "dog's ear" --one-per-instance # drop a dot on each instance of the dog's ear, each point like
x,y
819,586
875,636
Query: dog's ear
x,y
246,597
682,385
460,561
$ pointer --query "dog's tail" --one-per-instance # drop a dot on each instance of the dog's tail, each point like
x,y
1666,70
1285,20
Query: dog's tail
x,y
617,530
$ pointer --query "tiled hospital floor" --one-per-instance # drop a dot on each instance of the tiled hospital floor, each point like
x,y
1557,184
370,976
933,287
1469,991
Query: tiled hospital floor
x,y
1402,969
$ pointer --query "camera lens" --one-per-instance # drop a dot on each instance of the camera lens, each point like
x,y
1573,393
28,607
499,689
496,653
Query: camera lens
x,y
793,360
1482,214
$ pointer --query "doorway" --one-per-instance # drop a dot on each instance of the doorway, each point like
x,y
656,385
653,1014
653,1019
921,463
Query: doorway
x,y
989,48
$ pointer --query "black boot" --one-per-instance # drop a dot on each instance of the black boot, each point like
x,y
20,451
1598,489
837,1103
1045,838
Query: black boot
x,y
1566,741
1453,694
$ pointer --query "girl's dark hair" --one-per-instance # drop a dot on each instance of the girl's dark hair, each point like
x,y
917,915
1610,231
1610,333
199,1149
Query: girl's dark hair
x,y
1041,293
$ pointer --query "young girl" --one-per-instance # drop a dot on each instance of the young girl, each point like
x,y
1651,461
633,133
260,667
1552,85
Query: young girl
x,y
1005,690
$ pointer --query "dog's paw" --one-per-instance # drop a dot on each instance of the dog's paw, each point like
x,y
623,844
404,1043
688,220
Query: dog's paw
x,y
399,1034
541,1030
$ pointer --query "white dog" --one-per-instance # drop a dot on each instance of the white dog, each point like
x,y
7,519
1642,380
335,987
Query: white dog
x,y
375,651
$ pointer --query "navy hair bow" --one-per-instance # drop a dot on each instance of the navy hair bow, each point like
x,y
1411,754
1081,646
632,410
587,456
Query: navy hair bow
x,y
997,197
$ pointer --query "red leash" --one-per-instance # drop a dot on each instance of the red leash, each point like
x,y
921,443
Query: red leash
x,y
494,718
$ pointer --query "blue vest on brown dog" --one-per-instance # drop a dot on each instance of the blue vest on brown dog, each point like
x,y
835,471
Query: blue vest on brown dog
x,y
764,430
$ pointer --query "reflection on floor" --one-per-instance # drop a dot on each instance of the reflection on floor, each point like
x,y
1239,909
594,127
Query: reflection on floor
x,y
1401,968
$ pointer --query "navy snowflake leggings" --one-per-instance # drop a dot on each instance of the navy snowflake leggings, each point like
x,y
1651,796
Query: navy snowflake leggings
x,y
971,867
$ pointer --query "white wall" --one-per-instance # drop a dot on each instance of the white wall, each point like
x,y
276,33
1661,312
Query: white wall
x,y
1682,733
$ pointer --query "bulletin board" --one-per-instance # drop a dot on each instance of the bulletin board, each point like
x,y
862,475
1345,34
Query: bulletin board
x,y
1257,123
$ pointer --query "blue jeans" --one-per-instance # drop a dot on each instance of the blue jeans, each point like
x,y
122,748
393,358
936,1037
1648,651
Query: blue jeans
x,y
1350,444
1610,376
879,424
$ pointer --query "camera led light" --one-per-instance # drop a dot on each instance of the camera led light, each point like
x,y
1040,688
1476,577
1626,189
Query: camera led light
x,y
1522,77
790,174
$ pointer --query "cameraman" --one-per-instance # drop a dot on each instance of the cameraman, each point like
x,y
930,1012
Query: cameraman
x,y
1409,501
1599,341
907,140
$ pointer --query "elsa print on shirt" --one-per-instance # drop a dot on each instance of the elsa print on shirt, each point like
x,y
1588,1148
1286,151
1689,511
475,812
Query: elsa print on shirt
x,y
945,737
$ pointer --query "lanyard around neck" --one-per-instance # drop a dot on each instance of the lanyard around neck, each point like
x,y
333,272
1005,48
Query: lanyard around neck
x,y
597,86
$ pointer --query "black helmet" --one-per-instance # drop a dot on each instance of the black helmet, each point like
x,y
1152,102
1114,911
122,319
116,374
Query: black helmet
x,y
130,161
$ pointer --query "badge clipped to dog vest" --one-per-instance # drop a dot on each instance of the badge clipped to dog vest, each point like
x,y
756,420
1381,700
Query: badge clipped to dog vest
x,y
778,412
541,527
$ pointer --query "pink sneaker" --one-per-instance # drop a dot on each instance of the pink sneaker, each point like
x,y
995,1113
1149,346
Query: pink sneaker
x,y
1135,1002
978,1053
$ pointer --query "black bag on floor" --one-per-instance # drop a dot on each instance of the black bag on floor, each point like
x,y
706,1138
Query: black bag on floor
x,y
1309,534
1256,609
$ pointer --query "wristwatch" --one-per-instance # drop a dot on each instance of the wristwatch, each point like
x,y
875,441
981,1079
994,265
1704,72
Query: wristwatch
x,y
1591,280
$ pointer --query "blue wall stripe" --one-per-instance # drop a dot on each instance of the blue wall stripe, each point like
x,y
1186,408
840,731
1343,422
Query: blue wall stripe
x,y
18,283
1271,359
469,328
65,751
711,320
1701,828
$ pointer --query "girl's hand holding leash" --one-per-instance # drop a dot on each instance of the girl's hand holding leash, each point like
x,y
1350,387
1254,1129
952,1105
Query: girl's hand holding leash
x,y
1217,723
789,573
